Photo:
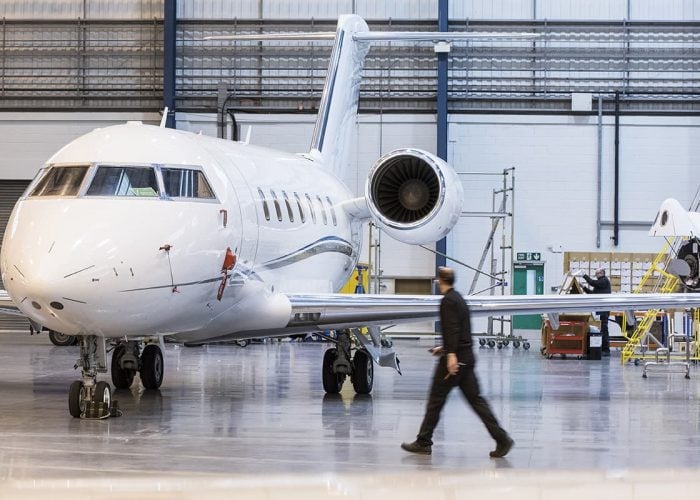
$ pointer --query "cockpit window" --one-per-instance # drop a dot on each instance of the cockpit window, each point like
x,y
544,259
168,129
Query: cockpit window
x,y
124,181
186,183
60,181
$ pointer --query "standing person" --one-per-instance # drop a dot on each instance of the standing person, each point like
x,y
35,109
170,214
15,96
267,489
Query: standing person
x,y
455,368
601,284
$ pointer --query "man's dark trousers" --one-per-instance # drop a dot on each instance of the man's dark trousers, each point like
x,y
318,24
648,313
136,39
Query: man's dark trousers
x,y
467,382
604,315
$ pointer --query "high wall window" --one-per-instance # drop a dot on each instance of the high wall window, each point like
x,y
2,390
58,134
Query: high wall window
x,y
186,183
60,181
124,181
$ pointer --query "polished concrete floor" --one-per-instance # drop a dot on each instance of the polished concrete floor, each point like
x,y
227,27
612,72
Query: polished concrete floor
x,y
262,410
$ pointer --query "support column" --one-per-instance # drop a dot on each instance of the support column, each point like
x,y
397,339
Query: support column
x,y
443,14
169,37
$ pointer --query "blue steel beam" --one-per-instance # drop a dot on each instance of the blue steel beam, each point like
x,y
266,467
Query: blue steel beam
x,y
169,35
443,13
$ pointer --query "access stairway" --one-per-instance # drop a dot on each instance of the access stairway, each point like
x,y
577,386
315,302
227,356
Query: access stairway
x,y
638,342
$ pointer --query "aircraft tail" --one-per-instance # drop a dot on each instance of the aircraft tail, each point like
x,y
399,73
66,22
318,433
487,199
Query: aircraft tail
x,y
341,92
330,144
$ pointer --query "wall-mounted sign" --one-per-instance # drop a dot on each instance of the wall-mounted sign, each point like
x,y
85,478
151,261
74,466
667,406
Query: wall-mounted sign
x,y
528,256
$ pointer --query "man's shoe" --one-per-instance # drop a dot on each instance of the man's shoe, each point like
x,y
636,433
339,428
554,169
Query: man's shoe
x,y
416,447
502,448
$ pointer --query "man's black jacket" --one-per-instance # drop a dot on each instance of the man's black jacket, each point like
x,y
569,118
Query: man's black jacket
x,y
600,285
456,326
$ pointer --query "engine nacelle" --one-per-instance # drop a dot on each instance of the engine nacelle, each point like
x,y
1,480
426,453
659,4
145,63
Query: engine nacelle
x,y
414,196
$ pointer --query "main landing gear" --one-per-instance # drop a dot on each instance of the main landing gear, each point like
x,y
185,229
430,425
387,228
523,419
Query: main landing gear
x,y
338,364
88,398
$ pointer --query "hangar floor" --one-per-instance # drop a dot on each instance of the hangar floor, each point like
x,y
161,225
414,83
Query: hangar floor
x,y
260,411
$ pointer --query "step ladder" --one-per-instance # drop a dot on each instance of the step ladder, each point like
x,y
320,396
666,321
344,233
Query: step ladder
x,y
641,335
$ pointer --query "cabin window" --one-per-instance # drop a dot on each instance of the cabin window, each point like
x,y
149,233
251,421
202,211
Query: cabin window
x,y
323,211
332,209
266,209
277,206
60,181
311,208
186,183
124,181
290,213
301,210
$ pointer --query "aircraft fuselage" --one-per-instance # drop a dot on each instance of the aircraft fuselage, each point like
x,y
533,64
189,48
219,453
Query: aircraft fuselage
x,y
151,264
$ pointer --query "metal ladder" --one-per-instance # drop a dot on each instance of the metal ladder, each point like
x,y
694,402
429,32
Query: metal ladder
x,y
641,334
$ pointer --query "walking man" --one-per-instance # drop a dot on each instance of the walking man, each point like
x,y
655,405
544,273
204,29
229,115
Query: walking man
x,y
455,369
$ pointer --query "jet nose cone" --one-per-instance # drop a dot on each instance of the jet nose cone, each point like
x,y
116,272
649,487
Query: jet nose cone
x,y
42,297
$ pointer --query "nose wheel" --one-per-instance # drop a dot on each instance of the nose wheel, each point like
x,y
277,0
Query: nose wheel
x,y
88,398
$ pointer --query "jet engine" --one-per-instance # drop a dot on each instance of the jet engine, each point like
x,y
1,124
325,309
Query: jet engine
x,y
690,253
414,196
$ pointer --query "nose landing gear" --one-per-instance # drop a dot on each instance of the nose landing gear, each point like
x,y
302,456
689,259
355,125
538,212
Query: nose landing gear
x,y
88,398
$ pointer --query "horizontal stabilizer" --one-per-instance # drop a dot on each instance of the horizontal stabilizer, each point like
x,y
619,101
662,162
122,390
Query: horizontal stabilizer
x,y
380,36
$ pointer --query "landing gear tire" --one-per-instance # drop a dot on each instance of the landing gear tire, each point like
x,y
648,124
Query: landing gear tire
x,y
526,345
332,382
363,372
61,340
121,378
103,394
482,342
152,367
76,399
516,344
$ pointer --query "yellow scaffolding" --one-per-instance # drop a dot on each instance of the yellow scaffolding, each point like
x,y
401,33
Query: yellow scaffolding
x,y
669,284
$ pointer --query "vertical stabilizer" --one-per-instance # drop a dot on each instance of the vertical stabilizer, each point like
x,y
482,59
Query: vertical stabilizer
x,y
338,108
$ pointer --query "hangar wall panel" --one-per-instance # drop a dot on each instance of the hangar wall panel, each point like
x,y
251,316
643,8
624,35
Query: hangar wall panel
x,y
28,140
491,9
218,9
639,10
319,9
671,10
582,9
556,164
85,9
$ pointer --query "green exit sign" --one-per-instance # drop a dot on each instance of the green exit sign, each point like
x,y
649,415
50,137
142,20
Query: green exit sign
x,y
528,256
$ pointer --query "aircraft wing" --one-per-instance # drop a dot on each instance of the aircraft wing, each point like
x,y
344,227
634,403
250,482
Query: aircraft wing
x,y
334,311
